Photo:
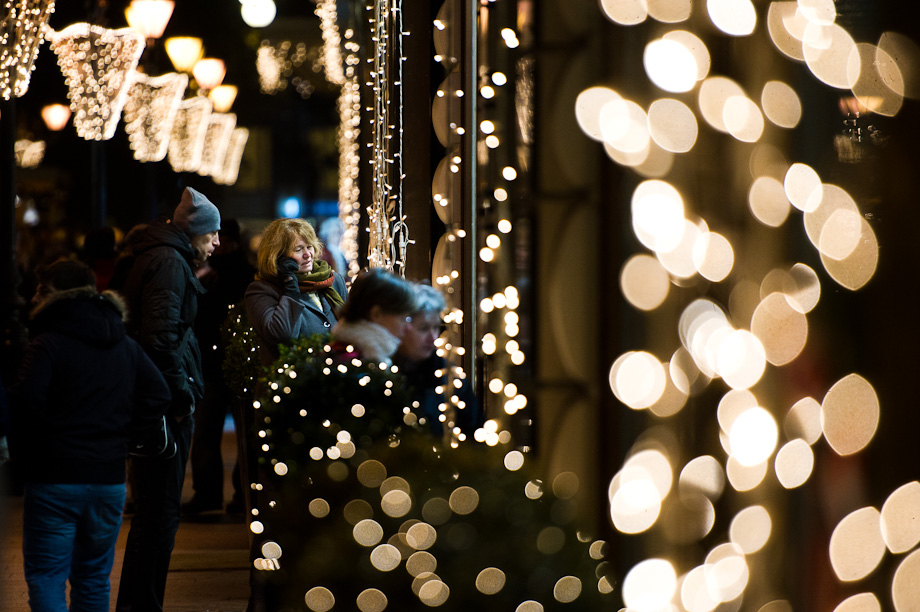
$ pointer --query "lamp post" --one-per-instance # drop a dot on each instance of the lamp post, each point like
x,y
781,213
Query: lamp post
x,y
209,72
56,116
149,17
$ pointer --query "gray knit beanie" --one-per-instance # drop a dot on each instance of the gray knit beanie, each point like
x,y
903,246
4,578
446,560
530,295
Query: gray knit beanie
x,y
196,215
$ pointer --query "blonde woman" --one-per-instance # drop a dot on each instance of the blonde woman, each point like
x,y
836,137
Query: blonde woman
x,y
295,293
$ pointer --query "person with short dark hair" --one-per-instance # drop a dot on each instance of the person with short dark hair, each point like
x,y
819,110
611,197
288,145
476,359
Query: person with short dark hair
x,y
376,315
83,391
162,292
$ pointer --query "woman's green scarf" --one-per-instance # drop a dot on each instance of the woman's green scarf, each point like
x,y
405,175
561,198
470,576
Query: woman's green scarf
x,y
320,280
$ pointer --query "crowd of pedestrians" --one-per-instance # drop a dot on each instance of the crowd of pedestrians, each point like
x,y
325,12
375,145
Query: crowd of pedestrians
x,y
121,385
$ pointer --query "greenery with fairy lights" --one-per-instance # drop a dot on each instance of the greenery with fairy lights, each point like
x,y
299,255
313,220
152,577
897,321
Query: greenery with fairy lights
x,y
363,509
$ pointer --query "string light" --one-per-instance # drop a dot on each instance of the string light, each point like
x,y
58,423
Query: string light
x,y
96,63
21,35
29,154
216,141
387,244
230,169
186,144
150,112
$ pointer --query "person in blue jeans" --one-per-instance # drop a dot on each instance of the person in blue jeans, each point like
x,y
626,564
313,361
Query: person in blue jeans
x,y
85,390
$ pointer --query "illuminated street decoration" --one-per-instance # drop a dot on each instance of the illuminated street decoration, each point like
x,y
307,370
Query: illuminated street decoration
x,y
216,141
341,71
21,36
29,154
765,324
389,234
230,166
150,113
276,63
186,145
96,63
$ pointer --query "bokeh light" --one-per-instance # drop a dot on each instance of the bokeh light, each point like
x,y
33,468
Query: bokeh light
x,y
672,125
794,463
644,282
650,585
899,524
850,414
856,546
670,65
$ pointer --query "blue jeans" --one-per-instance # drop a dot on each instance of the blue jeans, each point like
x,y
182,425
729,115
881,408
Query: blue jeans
x,y
69,531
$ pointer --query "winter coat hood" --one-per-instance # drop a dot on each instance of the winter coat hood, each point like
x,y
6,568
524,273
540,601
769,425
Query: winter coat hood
x,y
160,233
82,313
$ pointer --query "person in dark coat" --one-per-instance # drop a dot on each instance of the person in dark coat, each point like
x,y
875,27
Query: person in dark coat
x,y
162,292
225,278
83,390
296,294
426,371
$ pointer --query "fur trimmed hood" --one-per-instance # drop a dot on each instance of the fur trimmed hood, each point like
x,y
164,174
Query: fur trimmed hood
x,y
82,313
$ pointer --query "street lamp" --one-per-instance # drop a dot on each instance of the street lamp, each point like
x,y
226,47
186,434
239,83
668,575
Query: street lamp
x,y
222,97
209,72
56,116
184,52
149,17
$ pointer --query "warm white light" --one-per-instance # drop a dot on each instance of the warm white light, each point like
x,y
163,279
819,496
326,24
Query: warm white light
x,y
222,97
23,29
650,585
56,116
670,65
209,72
96,63
149,17
184,51
734,17
258,13
753,436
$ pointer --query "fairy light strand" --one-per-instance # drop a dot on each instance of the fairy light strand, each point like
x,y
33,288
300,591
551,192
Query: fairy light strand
x,y
22,31
150,112
349,130
96,63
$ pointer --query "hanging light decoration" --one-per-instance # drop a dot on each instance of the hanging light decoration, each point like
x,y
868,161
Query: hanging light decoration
x,y
96,63
150,113
184,52
349,104
216,141
29,154
222,97
21,35
186,143
230,170
149,17
388,230
56,116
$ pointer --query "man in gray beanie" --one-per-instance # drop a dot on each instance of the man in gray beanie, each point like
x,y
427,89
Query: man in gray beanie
x,y
162,294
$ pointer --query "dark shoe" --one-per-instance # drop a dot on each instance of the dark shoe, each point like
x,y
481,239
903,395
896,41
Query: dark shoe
x,y
197,505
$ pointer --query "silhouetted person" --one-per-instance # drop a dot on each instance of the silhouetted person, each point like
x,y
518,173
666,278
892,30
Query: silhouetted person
x,y
162,292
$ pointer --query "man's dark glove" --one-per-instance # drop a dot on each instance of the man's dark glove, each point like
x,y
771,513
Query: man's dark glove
x,y
287,270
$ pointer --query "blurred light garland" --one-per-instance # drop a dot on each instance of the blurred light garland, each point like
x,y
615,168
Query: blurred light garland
x,y
186,144
230,167
150,113
22,30
342,72
96,63
216,141
29,154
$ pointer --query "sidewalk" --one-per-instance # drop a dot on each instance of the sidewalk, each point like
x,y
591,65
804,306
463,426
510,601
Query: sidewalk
x,y
210,563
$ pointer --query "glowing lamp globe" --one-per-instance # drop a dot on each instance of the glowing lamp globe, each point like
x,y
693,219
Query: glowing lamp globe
x,y
149,17
56,116
258,13
209,72
222,97
184,52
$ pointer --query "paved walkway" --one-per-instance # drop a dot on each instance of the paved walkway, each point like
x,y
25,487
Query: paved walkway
x,y
209,570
